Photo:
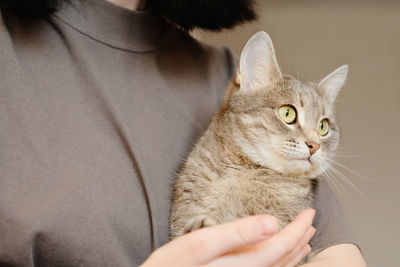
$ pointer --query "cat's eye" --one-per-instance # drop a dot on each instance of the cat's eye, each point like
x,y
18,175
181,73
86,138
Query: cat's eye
x,y
287,114
323,127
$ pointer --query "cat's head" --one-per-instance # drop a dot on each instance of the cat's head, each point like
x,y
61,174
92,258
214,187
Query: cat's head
x,y
281,122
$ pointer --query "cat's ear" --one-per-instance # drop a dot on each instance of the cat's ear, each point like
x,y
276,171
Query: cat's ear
x,y
330,86
258,67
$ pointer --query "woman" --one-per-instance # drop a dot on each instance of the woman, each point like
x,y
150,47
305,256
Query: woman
x,y
99,105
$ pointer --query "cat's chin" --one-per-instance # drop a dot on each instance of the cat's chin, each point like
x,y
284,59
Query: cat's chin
x,y
291,167
300,168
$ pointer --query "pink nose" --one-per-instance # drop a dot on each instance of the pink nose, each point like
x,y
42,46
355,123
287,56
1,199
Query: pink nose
x,y
313,147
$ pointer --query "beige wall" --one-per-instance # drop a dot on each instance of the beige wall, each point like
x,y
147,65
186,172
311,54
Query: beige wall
x,y
313,38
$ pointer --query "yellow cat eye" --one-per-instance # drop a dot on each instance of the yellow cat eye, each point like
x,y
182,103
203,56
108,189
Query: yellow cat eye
x,y
287,114
323,127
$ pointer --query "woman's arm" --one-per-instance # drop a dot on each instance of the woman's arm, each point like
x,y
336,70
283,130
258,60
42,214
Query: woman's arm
x,y
342,255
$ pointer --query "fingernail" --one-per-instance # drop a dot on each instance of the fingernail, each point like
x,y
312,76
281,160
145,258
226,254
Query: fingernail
x,y
310,232
268,225
313,230
313,212
306,250
306,213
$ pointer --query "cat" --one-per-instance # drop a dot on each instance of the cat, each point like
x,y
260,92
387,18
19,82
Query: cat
x,y
263,150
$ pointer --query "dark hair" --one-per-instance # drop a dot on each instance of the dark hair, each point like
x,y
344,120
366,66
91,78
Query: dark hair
x,y
187,14
31,8
205,14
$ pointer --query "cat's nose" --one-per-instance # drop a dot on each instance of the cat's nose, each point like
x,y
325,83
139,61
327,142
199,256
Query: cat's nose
x,y
313,147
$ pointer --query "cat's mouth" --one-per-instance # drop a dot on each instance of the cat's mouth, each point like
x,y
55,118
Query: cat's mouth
x,y
305,159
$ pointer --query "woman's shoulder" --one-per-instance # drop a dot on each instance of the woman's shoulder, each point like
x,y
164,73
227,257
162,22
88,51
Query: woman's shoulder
x,y
4,34
8,60
186,54
191,46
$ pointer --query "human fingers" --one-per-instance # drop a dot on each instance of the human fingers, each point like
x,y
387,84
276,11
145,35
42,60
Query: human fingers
x,y
284,242
202,246
296,260
211,242
274,249
290,259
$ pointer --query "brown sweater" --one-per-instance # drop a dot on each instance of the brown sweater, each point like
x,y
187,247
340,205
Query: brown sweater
x,y
98,107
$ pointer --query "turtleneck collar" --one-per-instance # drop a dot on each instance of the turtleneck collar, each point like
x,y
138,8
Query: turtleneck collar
x,y
137,31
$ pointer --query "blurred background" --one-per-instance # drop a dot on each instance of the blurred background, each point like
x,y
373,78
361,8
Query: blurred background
x,y
314,37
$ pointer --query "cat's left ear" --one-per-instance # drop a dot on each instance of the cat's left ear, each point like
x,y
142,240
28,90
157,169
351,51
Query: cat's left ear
x,y
258,67
330,86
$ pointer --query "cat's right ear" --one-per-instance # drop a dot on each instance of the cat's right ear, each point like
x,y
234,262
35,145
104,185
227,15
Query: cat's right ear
x,y
330,86
258,67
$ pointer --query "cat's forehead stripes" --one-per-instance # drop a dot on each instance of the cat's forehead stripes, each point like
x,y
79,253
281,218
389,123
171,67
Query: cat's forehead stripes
x,y
305,99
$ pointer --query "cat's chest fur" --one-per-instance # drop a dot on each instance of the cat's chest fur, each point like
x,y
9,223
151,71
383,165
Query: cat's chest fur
x,y
251,192
217,185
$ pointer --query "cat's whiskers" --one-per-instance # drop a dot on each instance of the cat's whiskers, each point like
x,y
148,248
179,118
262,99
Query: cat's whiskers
x,y
337,186
345,179
331,160
343,151
341,100
347,156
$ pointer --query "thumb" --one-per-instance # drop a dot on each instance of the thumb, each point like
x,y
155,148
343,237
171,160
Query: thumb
x,y
211,242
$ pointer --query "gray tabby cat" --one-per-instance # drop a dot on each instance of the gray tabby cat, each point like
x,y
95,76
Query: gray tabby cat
x,y
272,136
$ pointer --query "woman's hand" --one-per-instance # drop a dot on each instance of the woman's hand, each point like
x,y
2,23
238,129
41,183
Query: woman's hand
x,y
251,241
